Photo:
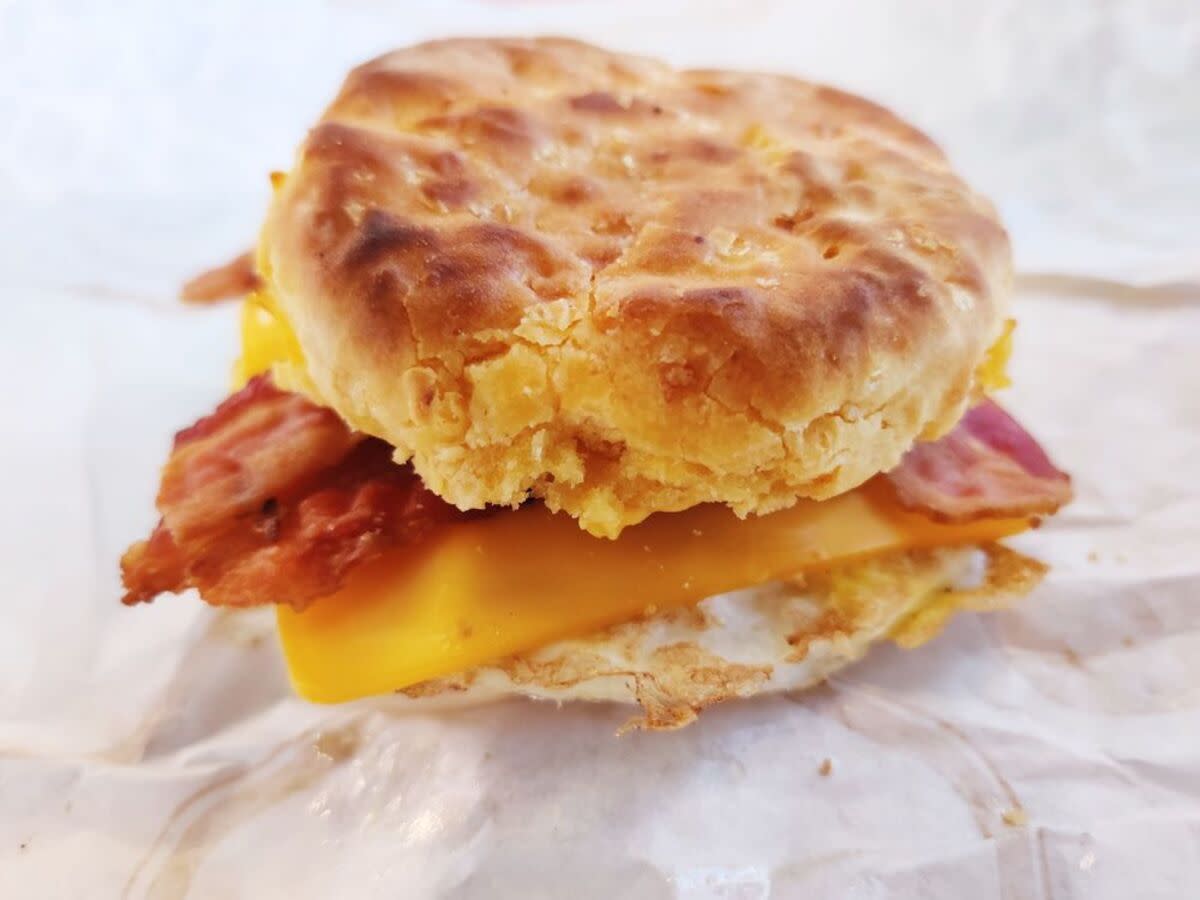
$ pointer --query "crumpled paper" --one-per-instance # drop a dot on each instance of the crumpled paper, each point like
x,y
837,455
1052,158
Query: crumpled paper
x,y
1048,751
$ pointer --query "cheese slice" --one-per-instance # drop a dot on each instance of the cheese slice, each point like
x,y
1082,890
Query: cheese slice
x,y
992,374
486,589
481,590
266,340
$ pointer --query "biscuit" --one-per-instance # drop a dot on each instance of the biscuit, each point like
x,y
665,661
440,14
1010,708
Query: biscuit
x,y
539,268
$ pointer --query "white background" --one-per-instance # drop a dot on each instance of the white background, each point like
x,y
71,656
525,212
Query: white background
x,y
156,752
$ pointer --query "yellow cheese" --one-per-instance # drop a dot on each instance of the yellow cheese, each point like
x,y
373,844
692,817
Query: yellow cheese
x,y
992,374
266,339
481,590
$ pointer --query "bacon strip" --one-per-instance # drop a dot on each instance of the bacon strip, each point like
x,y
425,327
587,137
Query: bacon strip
x,y
236,278
988,466
273,499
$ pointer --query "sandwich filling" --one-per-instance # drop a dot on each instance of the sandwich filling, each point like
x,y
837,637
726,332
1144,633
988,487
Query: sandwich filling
x,y
381,585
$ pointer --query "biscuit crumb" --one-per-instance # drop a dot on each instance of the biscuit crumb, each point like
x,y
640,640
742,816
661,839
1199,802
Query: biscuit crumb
x,y
826,767
1015,817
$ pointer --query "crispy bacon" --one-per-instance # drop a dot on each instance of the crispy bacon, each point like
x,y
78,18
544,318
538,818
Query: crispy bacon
x,y
273,499
987,466
236,278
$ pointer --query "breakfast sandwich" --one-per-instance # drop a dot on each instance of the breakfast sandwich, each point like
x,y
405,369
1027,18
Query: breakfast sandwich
x,y
570,374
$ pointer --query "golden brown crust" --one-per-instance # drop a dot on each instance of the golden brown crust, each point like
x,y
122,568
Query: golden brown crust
x,y
534,265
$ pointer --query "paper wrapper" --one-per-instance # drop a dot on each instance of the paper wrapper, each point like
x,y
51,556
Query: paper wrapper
x,y
1048,751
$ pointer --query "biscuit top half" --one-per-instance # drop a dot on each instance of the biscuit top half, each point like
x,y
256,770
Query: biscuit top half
x,y
539,268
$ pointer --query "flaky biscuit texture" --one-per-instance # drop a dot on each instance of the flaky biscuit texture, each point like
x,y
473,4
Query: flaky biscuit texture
x,y
540,268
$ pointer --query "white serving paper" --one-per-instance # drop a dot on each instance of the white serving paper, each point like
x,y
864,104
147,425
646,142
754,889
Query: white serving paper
x,y
1051,751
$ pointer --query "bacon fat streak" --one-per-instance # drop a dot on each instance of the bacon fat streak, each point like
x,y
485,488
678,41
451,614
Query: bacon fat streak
x,y
273,499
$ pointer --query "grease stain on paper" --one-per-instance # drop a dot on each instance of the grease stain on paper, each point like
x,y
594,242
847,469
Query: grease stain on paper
x,y
205,817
